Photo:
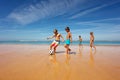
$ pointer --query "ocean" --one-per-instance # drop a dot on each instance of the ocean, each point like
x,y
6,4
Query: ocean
x,y
61,43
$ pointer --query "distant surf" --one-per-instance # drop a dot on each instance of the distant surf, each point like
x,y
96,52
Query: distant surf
x,y
49,42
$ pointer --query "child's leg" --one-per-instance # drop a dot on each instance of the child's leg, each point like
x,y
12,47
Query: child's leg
x,y
55,48
52,44
94,47
91,44
67,48
90,47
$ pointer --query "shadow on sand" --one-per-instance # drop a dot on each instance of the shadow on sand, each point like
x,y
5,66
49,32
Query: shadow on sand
x,y
72,53
60,52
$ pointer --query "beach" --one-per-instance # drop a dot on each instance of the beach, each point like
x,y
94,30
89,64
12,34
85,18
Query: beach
x,y
33,62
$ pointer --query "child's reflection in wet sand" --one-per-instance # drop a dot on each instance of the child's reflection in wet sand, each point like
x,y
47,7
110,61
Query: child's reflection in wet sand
x,y
67,68
52,59
55,67
80,50
67,61
91,58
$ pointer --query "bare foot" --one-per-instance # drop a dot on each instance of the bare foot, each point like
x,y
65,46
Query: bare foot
x,y
69,49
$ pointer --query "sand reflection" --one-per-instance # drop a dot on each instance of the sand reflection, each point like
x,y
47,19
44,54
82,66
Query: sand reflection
x,y
80,50
67,61
52,59
91,58
67,68
54,67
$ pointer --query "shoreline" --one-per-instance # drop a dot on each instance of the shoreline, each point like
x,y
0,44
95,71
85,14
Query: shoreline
x,y
62,44
103,43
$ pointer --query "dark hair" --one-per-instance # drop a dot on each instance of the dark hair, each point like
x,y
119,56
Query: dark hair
x,y
55,31
91,33
79,36
67,28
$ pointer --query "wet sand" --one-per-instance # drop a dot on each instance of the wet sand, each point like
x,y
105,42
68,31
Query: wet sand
x,y
32,62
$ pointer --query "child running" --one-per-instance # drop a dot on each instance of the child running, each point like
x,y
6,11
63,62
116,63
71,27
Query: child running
x,y
68,40
80,44
80,40
92,41
56,42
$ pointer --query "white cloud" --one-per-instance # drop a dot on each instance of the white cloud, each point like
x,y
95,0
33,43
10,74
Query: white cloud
x,y
108,19
92,10
87,11
8,30
102,27
44,9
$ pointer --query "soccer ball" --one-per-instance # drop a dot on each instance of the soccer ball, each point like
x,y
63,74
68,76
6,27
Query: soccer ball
x,y
50,52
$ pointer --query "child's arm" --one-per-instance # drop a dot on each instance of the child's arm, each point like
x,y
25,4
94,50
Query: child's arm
x,y
70,37
62,38
51,37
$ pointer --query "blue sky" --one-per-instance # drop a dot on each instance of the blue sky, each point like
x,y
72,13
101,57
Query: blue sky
x,y
36,19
